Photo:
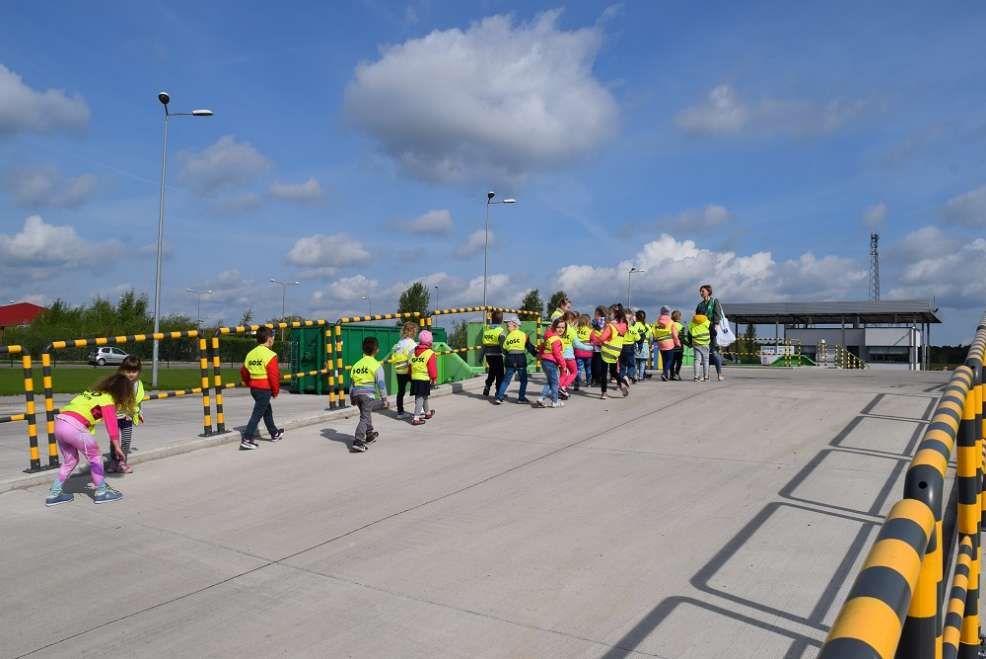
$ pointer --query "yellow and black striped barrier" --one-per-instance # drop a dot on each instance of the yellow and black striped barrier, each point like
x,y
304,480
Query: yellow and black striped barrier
x,y
29,415
864,627
955,616
101,341
337,386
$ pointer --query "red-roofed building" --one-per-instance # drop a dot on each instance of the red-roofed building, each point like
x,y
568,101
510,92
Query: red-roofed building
x,y
14,315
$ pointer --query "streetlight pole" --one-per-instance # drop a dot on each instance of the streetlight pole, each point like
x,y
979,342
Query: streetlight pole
x,y
369,304
486,228
634,270
284,297
198,302
435,306
165,98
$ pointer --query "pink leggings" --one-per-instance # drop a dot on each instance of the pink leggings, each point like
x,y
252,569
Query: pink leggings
x,y
573,372
73,437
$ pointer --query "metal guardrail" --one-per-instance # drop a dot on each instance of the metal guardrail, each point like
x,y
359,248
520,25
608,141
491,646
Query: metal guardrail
x,y
895,606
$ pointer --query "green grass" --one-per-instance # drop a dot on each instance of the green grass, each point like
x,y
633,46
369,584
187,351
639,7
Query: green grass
x,y
74,380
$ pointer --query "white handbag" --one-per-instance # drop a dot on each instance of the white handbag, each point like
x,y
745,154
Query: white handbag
x,y
724,333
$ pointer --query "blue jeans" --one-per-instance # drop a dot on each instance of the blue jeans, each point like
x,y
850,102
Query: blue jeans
x,y
666,358
551,387
584,365
641,367
508,378
628,364
261,410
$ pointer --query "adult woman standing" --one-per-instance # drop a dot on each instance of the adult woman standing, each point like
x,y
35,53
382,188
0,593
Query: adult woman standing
x,y
711,309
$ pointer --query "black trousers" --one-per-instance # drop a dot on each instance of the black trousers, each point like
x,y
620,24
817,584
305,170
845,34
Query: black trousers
x,y
601,371
261,410
677,359
495,374
403,380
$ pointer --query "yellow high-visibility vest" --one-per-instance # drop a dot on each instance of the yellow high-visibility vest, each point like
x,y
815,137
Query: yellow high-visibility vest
x,y
83,404
549,341
365,371
584,334
611,350
419,366
515,342
256,362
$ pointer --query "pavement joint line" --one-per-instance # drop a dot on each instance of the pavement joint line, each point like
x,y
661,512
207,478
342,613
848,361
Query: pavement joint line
x,y
363,527
481,614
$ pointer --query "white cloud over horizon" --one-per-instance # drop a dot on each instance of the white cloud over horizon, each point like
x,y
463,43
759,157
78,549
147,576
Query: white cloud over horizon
x,y
319,256
224,164
436,221
494,101
26,110
39,250
45,186
475,243
306,192
967,209
724,113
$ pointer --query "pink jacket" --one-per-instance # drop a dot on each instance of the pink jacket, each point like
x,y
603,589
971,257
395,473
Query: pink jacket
x,y
557,354
675,340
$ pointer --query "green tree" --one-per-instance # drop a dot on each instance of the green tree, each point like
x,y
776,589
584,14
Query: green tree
x,y
556,300
459,336
533,302
247,317
415,298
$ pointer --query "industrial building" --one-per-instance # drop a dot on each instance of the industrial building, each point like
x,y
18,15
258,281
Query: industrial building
x,y
884,334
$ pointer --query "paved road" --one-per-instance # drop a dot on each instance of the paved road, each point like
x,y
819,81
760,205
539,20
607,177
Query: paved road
x,y
688,521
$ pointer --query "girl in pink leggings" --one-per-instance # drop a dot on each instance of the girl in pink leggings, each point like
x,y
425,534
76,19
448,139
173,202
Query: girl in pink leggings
x,y
75,430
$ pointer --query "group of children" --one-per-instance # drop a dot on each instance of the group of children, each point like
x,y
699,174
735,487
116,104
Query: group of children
x,y
577,351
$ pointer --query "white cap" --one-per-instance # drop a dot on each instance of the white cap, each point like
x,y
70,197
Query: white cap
x,y
511,318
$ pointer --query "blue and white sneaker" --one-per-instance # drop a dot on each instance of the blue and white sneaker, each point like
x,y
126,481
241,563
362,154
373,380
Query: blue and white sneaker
x,y
61,497
108,495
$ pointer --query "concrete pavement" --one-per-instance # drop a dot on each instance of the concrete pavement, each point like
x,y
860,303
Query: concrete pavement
x,y
687,521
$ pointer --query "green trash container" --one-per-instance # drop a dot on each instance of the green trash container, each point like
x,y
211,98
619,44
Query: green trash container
x,y
308,354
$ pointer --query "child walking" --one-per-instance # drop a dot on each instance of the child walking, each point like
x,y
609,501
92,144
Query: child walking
x,y
493,336
628,359
368,382
400,356
262,374
568,354
700,337
583,351
553,362
678,354
424,374
127,420
75,430
515,348
606,337
666,336
643,345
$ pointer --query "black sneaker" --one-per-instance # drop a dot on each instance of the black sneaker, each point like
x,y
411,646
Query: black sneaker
x,y
486,392
278,436
523,400
371,437
247,445
359,446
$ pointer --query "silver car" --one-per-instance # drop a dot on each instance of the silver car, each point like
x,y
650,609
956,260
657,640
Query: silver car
x,y
106,355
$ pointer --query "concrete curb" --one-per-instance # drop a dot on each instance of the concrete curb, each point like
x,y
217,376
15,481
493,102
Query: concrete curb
x,y
229,437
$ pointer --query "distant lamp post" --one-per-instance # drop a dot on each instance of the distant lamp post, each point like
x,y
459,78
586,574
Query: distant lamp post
x,y
486,241
369,304
198,302
284,297
165,98
435,306
634,270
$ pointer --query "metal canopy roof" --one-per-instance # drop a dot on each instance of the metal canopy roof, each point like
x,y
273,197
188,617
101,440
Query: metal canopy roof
x,y
823,313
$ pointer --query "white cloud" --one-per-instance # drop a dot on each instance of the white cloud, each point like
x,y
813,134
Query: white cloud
x,y
926,242
874,216
967,209
491,102
432,222
38,187
41,250
954,277
238,203
223,164
23,109
676,268
723,112
320,255
475,242
697,220
307,192
344,290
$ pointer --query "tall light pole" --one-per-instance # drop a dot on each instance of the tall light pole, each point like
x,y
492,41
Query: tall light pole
x,y
198,302
165,99
369,304
435,306
284,294
634,270
486,242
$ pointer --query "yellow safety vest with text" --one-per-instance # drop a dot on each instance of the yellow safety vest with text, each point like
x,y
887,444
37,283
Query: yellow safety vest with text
x,y
549,342
491,340
419,365
611,350
700,333
83,404
256,362
568,339
515,342
364,371
584,334
399,359
632,335
662,332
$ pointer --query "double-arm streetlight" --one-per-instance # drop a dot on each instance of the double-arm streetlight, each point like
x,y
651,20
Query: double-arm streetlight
x,y
165,99
634,270
284,294
198,302
486,242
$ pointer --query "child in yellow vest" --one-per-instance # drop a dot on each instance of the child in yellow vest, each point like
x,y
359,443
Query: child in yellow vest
x,y
127,420
75,430
424,374
700,336
400,355
367,383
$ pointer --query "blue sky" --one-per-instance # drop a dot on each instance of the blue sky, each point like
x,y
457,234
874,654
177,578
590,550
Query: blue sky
x,y
750,145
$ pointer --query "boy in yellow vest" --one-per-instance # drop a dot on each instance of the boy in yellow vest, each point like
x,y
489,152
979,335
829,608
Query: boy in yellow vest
x,y
368,381
261,373
700,336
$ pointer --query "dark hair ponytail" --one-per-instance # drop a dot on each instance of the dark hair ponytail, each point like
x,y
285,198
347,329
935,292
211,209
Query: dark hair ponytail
x,y
120,388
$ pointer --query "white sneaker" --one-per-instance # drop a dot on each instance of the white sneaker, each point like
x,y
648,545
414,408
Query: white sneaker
x,y
558,403
539,403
